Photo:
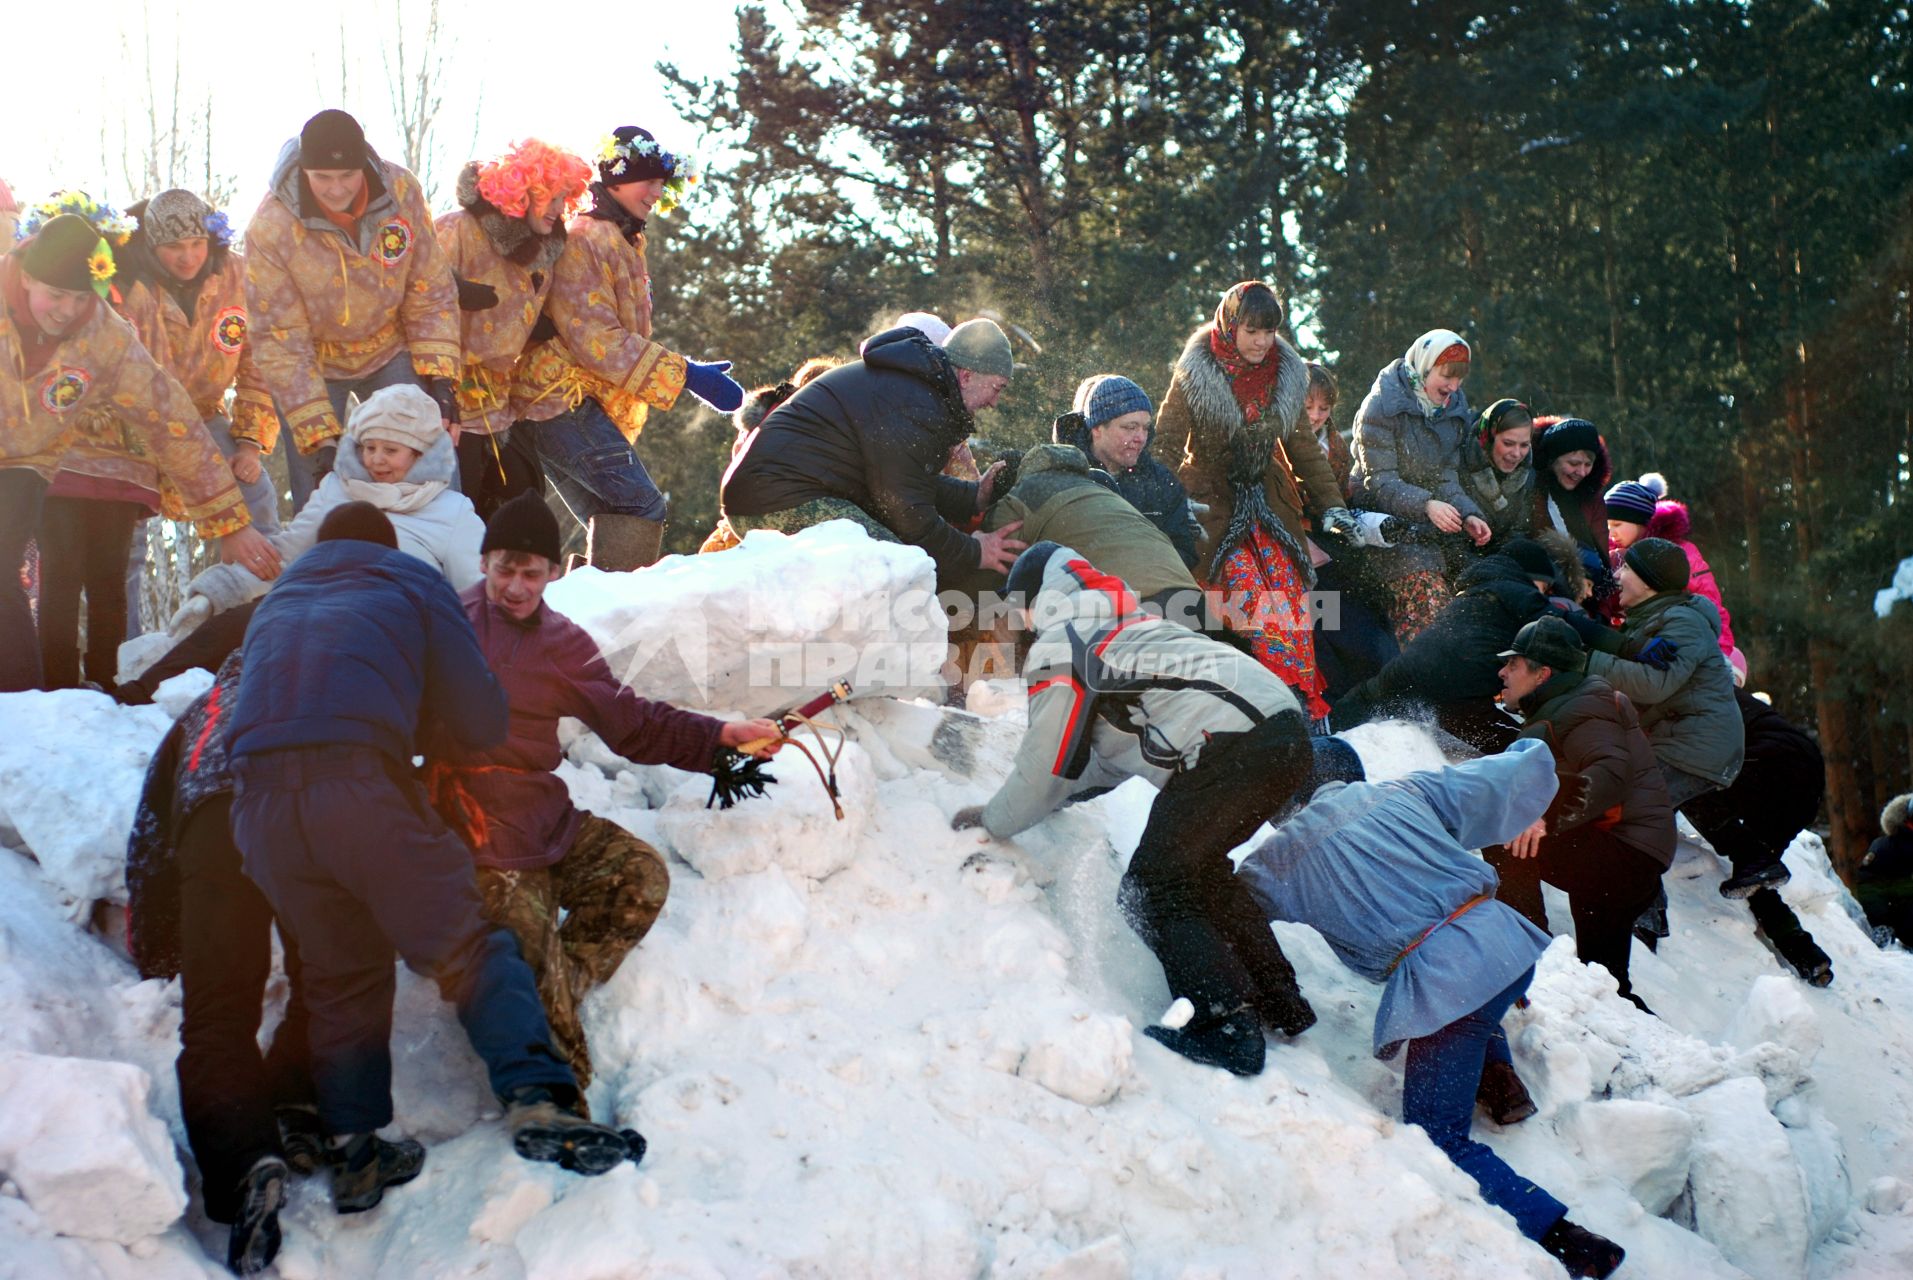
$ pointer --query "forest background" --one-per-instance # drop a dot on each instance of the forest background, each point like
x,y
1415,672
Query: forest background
x,y
1691,222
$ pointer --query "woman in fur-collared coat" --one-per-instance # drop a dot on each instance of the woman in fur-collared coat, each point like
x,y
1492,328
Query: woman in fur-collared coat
x,y
1234,406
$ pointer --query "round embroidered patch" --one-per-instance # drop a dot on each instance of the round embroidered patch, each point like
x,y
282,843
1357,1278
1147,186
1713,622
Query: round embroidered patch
x,y
395,239
64,388
229,330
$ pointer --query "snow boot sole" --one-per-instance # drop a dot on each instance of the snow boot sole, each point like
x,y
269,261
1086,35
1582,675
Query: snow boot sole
x,y
1745,884
363,1171
546,1133
1234,1044
255,1238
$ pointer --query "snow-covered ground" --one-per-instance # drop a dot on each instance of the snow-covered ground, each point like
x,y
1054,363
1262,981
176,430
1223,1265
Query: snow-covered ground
x,y
880,1048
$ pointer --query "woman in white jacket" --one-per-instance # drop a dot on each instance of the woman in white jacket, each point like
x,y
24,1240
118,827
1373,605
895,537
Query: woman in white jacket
x,y
395,455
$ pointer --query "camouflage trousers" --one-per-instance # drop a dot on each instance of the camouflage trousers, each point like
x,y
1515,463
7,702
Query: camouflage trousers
x,y
610,886
816,511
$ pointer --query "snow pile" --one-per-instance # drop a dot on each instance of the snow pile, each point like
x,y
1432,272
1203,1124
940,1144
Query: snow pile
x,y
878,1047
764,632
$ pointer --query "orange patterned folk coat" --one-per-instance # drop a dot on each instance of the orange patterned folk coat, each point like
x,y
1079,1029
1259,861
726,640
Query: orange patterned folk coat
x,y
100,405
325,305
208,350
492,339
601,306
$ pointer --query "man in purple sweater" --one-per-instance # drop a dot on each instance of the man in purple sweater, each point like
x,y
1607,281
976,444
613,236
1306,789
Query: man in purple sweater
x,y
537,853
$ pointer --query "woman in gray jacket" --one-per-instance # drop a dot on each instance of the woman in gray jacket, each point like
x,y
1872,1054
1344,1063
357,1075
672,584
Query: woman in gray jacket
x,y
1408,437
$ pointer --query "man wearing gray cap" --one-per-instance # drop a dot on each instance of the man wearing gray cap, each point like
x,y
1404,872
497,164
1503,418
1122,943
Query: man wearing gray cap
x,y
867,442
1609,854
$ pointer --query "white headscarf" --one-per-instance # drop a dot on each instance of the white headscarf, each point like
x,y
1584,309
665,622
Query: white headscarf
x,y
1420,360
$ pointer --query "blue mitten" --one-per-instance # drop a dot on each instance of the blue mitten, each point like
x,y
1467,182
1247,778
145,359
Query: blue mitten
x,y
1657,653
708,383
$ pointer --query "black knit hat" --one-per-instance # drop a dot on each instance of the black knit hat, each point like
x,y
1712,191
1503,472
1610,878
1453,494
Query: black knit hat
x,y
59,252
1533,559
524,524
631,154
359,521
332,140
1335,761
1549,642
1660,564
1566,436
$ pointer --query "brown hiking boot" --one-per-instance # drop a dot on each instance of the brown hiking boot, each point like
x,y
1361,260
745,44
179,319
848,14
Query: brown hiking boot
x,y
366,1165
543,1130
1502,1095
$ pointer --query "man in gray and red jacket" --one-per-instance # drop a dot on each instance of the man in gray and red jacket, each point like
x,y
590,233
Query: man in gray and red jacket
x,y
537,853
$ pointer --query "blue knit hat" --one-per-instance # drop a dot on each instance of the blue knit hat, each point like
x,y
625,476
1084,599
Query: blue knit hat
x,y
1335,761
1631,501
1110,395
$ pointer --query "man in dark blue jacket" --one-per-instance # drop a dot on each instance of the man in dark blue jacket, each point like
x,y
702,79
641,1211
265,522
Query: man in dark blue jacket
x,y
351,649
1113,423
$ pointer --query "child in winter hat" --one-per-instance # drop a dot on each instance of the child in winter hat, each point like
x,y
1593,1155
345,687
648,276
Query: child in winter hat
x,y
402,414
1630,505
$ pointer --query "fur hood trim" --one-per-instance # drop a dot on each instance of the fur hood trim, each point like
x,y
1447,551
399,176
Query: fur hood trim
x,y
1211,400
1893,817
512,237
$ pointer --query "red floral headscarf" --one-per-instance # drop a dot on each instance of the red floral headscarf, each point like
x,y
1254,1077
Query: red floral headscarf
x,y
1253,384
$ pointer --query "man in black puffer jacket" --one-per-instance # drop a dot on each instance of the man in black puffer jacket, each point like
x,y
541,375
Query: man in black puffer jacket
x,y
868,442
1610,856
1451,666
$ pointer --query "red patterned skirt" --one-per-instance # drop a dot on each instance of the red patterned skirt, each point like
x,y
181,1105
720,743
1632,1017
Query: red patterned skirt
x,y
1262,585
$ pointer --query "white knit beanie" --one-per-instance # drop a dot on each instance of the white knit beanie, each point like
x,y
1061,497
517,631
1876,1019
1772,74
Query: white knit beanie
x,y
402,414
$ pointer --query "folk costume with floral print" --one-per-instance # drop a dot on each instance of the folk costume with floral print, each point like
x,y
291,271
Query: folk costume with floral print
x,y
328,303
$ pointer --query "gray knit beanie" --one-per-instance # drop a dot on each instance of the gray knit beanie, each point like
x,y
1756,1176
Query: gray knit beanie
x,y
174,215
981,347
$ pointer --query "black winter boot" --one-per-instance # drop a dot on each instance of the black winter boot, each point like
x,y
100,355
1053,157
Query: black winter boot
x,y
366,1164
1745,884
254,1242
1233,1042
1502,1095
545,1130
1800,951
1581,1251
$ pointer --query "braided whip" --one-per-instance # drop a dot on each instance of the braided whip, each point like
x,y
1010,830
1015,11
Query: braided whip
x,y
737,775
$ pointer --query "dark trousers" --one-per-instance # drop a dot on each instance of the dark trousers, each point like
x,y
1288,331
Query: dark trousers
x,y
227,1091
1181,893
1608,883
1360,644
1751,824
22,493
207,646
492,470
83,548
1438,1093
357,866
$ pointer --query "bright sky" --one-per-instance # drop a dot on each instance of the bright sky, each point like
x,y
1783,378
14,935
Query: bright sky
x,y
567,71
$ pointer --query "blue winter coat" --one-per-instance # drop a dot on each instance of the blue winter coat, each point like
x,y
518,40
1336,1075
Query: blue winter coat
x,y
1372,865
352,646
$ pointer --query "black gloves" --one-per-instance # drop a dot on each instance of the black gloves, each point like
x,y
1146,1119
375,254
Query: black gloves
x,y
445,392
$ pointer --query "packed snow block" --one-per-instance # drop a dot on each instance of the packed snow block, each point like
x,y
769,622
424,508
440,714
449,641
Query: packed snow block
x,y
791,825
78,1140
1888,1195
71,765
1749,1197
1644,1146
1085,1059
175,695
769,624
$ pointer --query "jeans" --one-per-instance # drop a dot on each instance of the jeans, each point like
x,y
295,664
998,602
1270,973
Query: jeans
x,y
262,504
357,866
593,467
83,549
227,1090
22,493
1181,893
1438,1093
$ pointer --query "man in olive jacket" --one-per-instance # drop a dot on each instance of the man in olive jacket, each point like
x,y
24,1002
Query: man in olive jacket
x,y
1609,855
1688,708
1057,497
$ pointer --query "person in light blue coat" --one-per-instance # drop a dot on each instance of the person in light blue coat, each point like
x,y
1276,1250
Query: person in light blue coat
x,y
1382,870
